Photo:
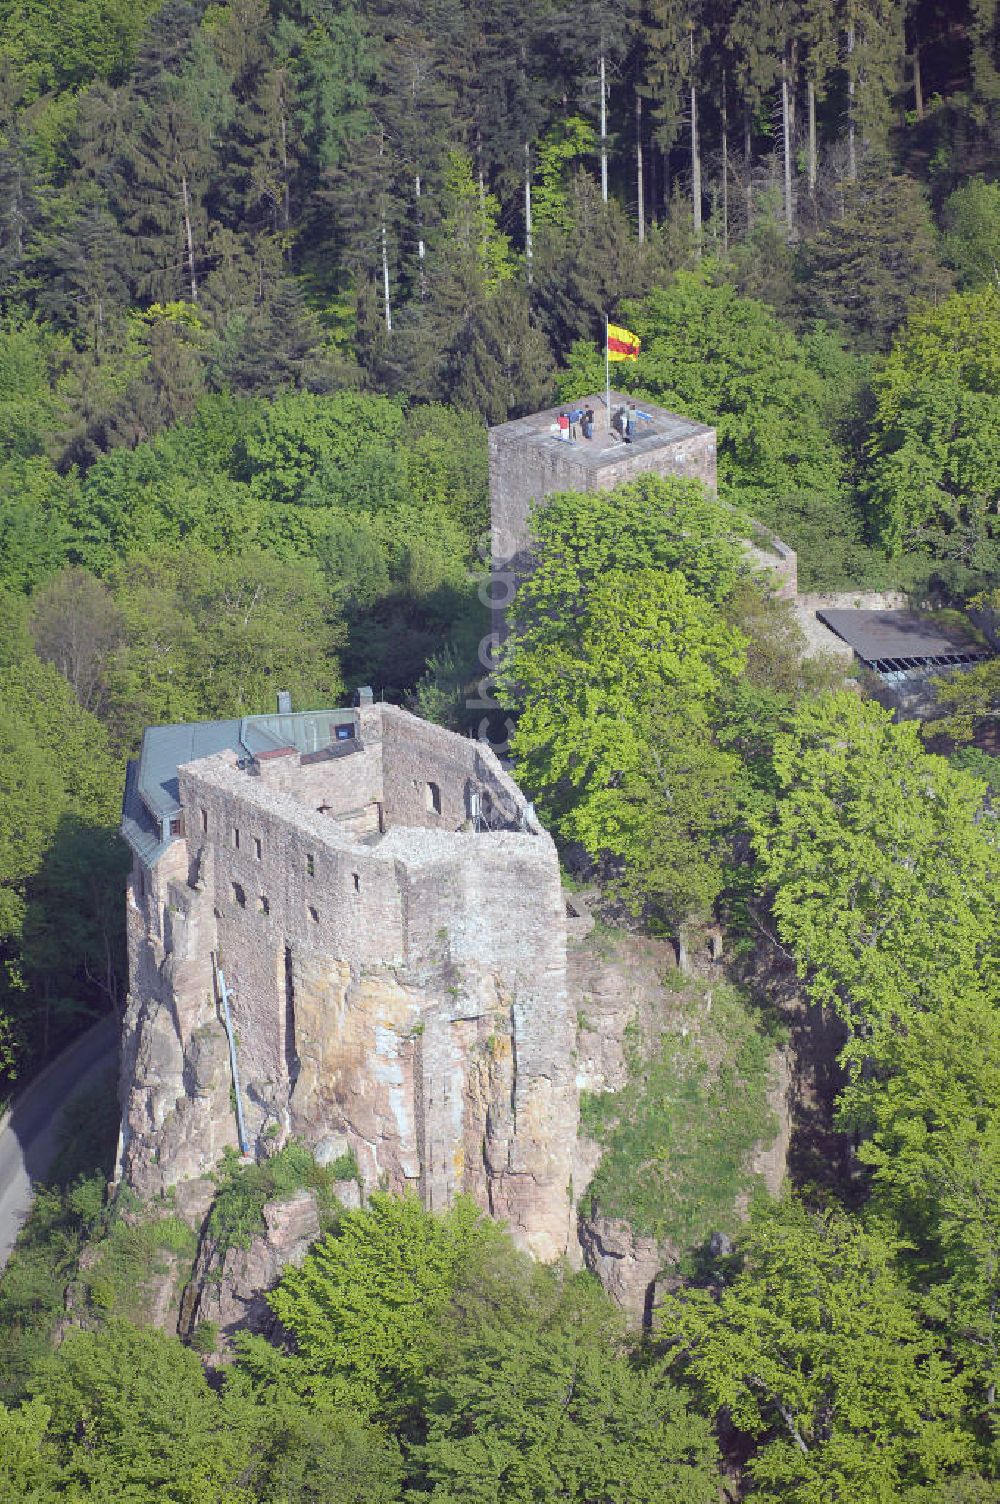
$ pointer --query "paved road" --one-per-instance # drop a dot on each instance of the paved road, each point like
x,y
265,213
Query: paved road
x,y
29,1132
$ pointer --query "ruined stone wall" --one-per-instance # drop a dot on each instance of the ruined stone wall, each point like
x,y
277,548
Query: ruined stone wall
x,y
694,458
404,996
418,754
349,781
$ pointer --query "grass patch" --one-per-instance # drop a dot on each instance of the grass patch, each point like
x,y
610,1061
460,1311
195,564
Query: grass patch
x,y
678,1137
238,1214
127,1255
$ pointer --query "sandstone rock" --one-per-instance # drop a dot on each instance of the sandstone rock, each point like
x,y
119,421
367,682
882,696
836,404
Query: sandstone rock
x,y
330,1148
627,1264
193,1200
228,1287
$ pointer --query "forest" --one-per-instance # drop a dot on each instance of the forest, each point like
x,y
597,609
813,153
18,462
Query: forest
x,y
268,269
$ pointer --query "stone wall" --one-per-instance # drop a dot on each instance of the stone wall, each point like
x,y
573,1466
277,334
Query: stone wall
x,y
523,472
406,990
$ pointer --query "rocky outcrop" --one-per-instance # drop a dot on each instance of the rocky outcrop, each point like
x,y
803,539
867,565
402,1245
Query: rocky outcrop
x,y
628,991
228,1287
627,1264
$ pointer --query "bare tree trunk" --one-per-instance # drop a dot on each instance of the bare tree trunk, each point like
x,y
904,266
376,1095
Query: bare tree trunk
x,y
421,248
528,248
604,133
918,86
189,237
746,159
725,166
786,131
695,156
385,278
639,186
286,215
852,159
811,97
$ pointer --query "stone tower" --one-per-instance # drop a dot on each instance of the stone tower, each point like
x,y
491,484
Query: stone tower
x,y
529,461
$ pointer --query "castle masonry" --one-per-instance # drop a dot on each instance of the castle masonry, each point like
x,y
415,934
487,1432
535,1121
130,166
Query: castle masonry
x,y
387,915
529,461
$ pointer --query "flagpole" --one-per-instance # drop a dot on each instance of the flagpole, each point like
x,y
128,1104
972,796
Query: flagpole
x,y
607,373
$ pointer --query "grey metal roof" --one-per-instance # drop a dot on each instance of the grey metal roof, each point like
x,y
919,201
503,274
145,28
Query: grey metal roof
x,y
305,730
139,828
657,428
877,636
165,748
151,783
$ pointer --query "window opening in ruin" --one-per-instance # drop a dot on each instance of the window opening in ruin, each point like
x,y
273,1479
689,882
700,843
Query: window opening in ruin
x,y
236,837
177,826
310,866
291,1054
257,848
357,881
204,822
433,798
314,914
265,904
239,896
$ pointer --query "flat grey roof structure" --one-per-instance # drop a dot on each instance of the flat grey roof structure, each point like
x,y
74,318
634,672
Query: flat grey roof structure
x,y
656,429
151,789
894,640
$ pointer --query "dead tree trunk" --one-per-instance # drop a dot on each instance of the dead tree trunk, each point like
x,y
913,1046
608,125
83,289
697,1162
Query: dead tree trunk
x,y
725,166
852,159
786,135
695,158
639,186
604,132
189,237
528,247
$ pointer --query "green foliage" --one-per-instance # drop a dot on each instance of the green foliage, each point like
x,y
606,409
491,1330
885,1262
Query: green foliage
x,y
934,1148
130,1253
869,267
152,1424
972,221
562,145
817,1350
880,865
59,864
238,1210
935,442
727,361
679,1136
542,1402
618,646
366,1304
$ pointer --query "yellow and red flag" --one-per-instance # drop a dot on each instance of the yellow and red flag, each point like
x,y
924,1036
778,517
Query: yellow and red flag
x,y
622,344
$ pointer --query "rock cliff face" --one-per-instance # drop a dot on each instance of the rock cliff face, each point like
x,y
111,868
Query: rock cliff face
x,y
626,984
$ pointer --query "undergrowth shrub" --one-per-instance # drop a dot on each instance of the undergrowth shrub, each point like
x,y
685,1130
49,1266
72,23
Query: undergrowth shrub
x,y
679,1136
238,1213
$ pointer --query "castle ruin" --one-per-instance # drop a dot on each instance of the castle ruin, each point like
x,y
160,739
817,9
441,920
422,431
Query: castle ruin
x,y
387,916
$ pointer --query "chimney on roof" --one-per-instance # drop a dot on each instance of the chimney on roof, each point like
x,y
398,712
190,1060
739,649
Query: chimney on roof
x,y
284,702
365,695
